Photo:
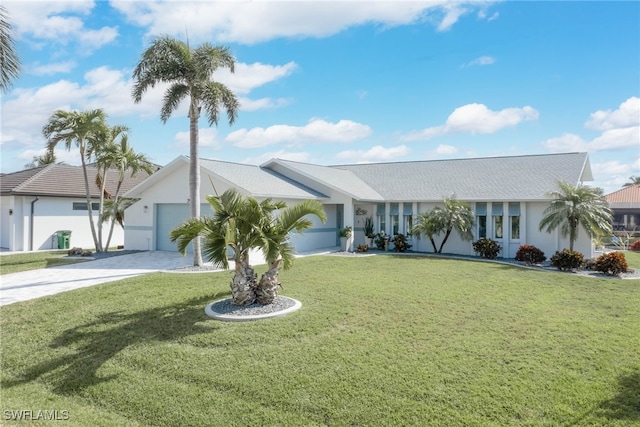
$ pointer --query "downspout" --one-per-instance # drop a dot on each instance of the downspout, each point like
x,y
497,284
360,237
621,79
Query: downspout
x,y
33,202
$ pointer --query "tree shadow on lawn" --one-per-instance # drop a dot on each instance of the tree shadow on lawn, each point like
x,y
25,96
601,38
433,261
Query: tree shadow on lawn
x,y
94,343
626,404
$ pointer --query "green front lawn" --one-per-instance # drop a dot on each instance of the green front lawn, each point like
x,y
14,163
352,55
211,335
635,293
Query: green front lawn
x,y
15,263
381,340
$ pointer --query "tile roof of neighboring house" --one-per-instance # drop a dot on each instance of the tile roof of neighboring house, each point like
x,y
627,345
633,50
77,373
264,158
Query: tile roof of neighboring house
x,y
257,181
494,178
626,197
58,180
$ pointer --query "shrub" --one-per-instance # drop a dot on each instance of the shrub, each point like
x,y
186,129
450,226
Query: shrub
x,y
400,243
362,248
567,260
379,240
635,246
487,248
530,254
611,264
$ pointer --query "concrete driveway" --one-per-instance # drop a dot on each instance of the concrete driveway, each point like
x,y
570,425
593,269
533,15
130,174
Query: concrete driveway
x,y
38,283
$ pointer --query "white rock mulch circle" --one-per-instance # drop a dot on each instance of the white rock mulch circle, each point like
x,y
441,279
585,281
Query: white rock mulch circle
x,y
225,311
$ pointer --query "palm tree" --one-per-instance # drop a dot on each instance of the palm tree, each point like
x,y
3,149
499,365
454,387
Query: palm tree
x,y
84,129
427,224
633,180
9,60
237,224
278,249
453,215
119,155
48,158
189,72
573,206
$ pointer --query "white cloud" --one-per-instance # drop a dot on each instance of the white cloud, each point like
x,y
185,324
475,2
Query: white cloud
x,y
250,76
52,68
377,153
616,139
247,104
476,118
628,114
480,61
207,138
255,22
568,142
282,154
446,150
317,130
58,21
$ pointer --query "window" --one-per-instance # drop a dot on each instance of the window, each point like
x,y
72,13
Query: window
x,y
395,223
381,218
481,219
496,212
408,224
82,206
514,217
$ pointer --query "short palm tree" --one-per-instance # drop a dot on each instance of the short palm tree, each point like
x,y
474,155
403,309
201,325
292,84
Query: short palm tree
x,y
574,206
633,180
9,60
236,224
276,246
189,73
452,215
84,129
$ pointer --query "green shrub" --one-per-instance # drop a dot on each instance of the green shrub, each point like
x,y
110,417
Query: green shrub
x,y
530,254
635,246
487,248
567,260
611,264
380,240
400,243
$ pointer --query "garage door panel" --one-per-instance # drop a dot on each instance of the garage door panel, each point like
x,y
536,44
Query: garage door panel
x,y
168,217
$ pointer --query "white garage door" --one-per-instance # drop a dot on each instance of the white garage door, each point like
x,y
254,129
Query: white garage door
x,y
168,217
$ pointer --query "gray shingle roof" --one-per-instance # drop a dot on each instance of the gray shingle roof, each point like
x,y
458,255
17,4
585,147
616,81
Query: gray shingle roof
x,y
258,181
59,180
342,180
492,179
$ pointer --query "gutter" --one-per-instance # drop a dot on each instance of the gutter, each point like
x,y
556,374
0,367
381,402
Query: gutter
x,y
33,202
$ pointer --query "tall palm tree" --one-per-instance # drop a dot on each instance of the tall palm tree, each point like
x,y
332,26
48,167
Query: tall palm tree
x,y
189,72
9,60
633,180
574,206
84,129
278,249
453,215
117,154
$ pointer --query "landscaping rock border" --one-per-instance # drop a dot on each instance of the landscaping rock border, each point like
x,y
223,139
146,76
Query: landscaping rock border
x,y
225,311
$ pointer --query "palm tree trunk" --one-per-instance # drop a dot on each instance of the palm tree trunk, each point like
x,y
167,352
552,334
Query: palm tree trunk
x,y
243,284
446,236
89,210
194,176
114,216
101,207
433,243
267,289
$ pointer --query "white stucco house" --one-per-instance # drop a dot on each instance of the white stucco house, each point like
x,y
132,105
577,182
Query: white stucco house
x,y
37,203
507,194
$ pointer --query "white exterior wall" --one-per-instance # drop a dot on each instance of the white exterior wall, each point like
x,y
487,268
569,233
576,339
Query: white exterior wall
x,y
141,223
50,214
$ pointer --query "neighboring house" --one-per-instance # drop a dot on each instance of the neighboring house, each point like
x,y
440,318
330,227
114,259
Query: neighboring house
x,y
37,203
625,204
507,194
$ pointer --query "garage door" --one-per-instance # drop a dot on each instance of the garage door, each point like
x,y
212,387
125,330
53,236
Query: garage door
x,y
168,217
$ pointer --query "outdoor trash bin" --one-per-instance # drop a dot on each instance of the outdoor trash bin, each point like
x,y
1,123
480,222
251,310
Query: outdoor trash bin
x,y
64,236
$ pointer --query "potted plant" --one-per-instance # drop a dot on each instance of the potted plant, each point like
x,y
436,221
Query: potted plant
x,y
368,229
345,236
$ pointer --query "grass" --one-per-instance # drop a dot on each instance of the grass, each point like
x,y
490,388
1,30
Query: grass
x,y
16,263
379,340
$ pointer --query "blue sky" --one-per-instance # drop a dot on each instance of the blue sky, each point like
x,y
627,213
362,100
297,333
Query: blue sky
x,y
347,82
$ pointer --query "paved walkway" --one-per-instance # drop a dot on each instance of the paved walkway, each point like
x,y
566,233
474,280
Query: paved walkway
x,y
48,281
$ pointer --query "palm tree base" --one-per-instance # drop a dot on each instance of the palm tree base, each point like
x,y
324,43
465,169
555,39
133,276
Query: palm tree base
x,y
267,289
243,286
